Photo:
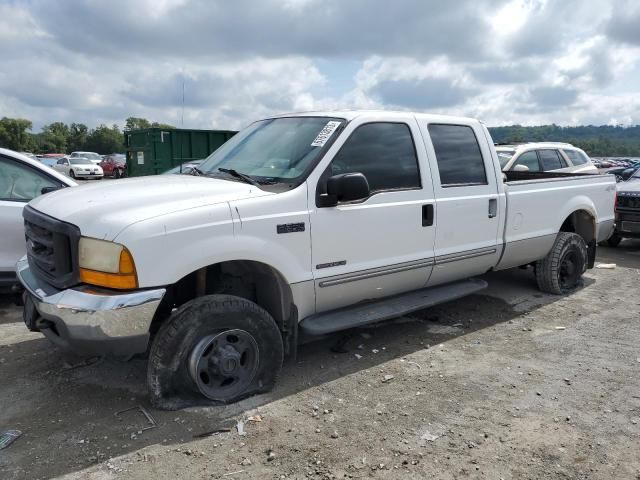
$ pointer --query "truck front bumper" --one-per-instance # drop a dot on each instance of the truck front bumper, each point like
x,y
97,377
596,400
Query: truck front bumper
x,y
89,320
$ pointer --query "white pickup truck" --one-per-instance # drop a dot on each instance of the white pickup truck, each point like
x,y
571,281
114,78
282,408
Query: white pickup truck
x,y
302,224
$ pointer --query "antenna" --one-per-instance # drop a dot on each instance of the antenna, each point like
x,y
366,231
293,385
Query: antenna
x,y
182,118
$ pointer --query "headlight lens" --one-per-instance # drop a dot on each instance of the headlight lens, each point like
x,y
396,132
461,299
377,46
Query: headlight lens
x,y
106,264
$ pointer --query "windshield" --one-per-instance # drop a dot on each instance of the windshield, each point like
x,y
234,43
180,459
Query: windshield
x,y
79,161
91,156
273,150
504,156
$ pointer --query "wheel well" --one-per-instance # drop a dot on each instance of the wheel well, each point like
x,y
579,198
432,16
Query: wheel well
x,y
583,223
255,281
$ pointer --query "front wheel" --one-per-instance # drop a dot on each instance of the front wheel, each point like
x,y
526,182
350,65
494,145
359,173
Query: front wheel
x,y
214,349
72,174
561,270
117,173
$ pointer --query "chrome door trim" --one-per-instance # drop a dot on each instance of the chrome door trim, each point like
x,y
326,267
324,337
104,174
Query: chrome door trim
x,y
464,255
376,272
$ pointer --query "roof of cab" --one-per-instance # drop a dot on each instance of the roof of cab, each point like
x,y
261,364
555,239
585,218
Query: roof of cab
x,y
352,114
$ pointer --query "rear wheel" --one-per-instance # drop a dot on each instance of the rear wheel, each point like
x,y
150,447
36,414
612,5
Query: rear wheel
x,y
561,270
614,240
216,348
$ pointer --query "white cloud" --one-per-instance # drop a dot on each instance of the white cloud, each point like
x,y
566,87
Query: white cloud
x,y
507,61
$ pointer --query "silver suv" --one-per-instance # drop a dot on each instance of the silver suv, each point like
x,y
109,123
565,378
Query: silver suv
x,y
544,157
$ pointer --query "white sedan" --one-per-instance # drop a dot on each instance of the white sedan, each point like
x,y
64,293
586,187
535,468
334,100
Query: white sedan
x,y
79,167
21,179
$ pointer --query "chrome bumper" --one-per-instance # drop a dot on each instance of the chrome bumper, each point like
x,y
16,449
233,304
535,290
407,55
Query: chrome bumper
x,y
90,320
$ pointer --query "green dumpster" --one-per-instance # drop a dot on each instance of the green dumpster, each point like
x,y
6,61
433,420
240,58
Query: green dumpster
x,y
151,151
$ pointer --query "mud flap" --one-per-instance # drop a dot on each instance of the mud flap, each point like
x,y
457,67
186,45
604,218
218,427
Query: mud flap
x,y
591,254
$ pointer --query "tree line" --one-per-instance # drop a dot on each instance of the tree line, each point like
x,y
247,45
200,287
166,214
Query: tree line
x,y
59,137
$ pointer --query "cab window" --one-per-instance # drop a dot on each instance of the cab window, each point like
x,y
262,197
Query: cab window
x,y
529,160
384,153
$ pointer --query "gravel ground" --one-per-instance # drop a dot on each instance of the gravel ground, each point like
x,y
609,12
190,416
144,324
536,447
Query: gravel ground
x,y
508,384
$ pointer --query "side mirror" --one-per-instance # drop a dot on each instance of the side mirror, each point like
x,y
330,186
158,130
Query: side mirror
x,y
49,189
520,168
345,187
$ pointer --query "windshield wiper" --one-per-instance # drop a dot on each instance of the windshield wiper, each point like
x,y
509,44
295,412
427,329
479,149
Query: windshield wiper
x,y
196,171
242,176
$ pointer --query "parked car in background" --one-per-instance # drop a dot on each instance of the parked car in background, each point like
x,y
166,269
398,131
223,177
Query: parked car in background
x,y
93,157
624,173
50,159
544,157
21,180
187,168
627,210
114,165
78,167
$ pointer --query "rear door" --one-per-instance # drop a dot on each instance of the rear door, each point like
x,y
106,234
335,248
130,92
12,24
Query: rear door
x,y
468,208
382,245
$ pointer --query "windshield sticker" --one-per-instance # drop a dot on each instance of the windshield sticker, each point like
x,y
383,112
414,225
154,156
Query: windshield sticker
x,y
325,133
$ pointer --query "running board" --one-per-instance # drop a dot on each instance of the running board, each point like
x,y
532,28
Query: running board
x,y
391,307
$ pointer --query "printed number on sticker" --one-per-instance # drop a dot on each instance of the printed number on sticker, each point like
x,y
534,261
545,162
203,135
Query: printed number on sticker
x,y
325,133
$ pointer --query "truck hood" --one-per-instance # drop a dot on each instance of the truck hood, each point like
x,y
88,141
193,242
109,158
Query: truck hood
x,y
630,186
104,208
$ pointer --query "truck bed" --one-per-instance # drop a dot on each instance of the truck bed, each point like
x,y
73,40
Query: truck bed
x,y
538,204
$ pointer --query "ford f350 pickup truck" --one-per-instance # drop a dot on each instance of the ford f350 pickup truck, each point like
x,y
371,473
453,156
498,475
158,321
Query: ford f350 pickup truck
x,y
301,224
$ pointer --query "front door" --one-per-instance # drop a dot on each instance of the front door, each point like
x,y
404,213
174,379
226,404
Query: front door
x,y
382,245
469,210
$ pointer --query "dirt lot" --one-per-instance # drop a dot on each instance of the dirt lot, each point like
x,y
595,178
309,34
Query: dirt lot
x,y
509,384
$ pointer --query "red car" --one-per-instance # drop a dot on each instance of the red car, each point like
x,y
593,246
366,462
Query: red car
x,y
114,165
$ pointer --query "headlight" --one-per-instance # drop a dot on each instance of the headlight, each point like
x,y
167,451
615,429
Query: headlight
x,y
106,264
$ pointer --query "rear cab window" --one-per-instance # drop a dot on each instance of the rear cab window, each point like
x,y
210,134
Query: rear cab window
x,y
576,157
460,161
550,160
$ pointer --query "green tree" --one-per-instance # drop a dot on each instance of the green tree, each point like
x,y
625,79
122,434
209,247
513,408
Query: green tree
x,y
14,134
77,138
104,139
137,123
54,138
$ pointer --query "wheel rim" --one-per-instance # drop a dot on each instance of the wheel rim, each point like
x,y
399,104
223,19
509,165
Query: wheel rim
x,y
222,365
569,270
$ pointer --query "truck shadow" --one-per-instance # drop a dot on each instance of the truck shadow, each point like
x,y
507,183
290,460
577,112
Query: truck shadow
x,y
67,406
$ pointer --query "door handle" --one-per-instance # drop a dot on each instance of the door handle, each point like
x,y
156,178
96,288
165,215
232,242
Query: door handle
x,y
493,207
427,215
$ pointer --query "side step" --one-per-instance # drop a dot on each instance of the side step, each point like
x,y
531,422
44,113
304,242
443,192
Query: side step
x,y
391,307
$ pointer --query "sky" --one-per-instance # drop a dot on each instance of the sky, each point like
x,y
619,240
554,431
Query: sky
x,y
527,62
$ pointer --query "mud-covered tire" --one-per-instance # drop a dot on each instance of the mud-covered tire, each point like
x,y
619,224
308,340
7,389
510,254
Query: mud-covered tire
x,y
560,272
170,383
614,240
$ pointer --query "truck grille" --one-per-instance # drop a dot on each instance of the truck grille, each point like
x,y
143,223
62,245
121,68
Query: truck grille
x,y
628,201
52,248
